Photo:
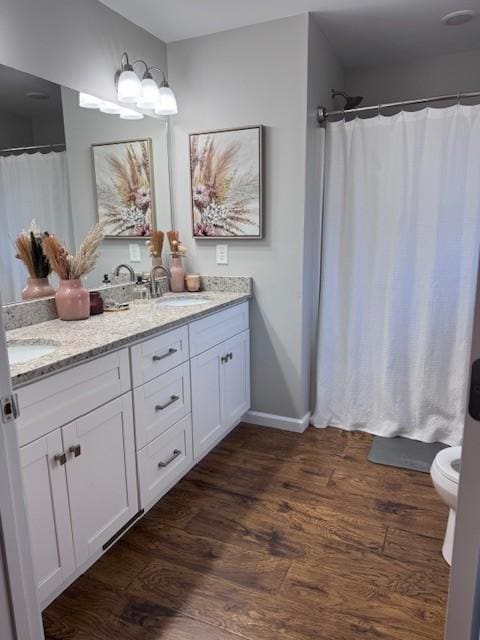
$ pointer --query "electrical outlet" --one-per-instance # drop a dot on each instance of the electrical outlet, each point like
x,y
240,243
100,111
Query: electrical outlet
x,y
134,252
222,253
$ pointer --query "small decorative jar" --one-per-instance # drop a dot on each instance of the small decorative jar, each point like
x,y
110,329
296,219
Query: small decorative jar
x,y
37,288
177,280
96,303
192,280
72,300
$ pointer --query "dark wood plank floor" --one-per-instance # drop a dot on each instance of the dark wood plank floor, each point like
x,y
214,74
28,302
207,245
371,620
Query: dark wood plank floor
x,y
273,536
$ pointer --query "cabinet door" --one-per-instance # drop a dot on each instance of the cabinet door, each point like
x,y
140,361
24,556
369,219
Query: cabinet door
x,y
236,378
206,371
46,498
101,475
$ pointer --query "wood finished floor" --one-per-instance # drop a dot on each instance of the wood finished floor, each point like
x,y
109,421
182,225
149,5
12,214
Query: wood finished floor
x,y
273,536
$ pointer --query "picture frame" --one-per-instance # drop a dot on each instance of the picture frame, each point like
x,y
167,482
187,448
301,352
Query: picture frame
x,y
226,183
124,187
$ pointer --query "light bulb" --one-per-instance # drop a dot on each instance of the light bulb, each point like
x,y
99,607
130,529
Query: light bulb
x,y
88,101
167,104
150,94
110,108
130,114
129,87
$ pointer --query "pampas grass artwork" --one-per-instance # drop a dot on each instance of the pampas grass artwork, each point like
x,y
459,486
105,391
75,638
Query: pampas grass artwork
x,y
225,169
124,183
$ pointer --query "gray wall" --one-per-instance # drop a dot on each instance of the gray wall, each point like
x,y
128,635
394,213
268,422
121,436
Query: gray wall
x,y
84,127
421,78
256,75
77,44
15,131
324,73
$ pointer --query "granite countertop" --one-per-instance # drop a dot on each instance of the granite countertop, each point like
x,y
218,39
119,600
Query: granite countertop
x,y
78,341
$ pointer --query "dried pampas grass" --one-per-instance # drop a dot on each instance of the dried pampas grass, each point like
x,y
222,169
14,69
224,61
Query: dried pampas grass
x,y
29,250
73,267
155,244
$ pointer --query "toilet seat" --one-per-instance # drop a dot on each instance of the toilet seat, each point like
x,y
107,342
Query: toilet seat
x,y
445,460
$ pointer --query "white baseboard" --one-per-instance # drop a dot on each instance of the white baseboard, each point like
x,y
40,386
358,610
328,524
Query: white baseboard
x,y
298,425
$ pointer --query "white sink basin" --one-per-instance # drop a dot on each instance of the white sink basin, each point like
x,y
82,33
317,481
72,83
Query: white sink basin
x,y
23,352
182,301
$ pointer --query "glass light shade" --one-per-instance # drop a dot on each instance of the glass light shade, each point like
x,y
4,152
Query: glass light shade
x,y
150,94
110,108
88,101
130,114
129,87
167,103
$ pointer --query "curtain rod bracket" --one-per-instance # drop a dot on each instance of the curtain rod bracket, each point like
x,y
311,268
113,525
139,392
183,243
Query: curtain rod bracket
x,y
321,115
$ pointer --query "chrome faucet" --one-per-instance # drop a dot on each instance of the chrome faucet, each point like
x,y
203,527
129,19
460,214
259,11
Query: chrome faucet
x,y
128,268
155,290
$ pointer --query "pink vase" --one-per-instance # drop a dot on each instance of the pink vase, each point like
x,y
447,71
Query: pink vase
x,y
72,300
37,288
177,280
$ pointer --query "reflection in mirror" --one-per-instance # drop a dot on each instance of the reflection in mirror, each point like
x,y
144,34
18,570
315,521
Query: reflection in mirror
x,y
66,167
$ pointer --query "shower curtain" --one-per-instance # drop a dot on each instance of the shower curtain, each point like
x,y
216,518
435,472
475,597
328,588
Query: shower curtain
x,y
400,253
31,186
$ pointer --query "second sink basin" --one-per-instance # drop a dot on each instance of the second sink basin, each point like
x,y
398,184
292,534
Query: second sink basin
x,y
182,301
19,352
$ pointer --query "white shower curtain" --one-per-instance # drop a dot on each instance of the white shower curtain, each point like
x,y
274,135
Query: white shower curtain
x,y
400,253
31,186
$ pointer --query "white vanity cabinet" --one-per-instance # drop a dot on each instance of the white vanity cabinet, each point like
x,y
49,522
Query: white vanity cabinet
x,y
80,490
220,375
46,498
103,441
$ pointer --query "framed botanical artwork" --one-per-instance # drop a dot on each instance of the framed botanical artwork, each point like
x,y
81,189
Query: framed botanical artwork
x,y
124,185
226,183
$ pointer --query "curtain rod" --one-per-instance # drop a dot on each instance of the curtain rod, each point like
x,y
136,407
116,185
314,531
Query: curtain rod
x,y
323,114
39,146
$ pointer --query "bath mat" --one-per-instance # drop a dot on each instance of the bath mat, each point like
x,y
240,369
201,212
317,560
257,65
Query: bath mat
x,y
404,453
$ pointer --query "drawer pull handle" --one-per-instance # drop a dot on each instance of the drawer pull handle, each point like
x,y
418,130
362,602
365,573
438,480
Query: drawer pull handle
x,y
170,352
175,454
75,450
61,458
161,407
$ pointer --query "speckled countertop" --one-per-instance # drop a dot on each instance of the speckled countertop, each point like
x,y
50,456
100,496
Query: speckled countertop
x,y
76,342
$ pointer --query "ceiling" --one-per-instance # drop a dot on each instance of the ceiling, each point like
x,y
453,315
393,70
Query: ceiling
x,y
14,85
362,32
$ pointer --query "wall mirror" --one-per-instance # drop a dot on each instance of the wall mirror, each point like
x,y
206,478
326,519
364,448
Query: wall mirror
x,y
65,166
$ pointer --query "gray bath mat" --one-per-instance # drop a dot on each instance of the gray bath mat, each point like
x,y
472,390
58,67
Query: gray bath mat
x,y
404,453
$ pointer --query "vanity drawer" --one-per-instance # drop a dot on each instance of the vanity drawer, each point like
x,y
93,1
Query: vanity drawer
x,y
217,328
160,403
50,403
159,354
164,461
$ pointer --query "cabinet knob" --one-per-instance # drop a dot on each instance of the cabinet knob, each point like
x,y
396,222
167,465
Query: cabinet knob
x,y
61,458
75,450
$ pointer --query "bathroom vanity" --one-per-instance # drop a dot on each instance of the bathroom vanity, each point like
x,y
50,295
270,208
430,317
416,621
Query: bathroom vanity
x,y
113,418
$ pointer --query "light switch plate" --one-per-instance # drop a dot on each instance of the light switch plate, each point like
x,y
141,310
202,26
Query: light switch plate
x,y
134,252
222,253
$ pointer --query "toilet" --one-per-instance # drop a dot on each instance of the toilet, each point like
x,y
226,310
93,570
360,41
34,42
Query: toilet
x,y
445,472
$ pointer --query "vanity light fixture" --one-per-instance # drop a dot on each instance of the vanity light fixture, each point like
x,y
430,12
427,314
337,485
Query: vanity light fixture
x,y
110,108
130,114
88,101
129,87
145,93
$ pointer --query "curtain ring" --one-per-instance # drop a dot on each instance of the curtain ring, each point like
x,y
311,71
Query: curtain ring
x,y
379,110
